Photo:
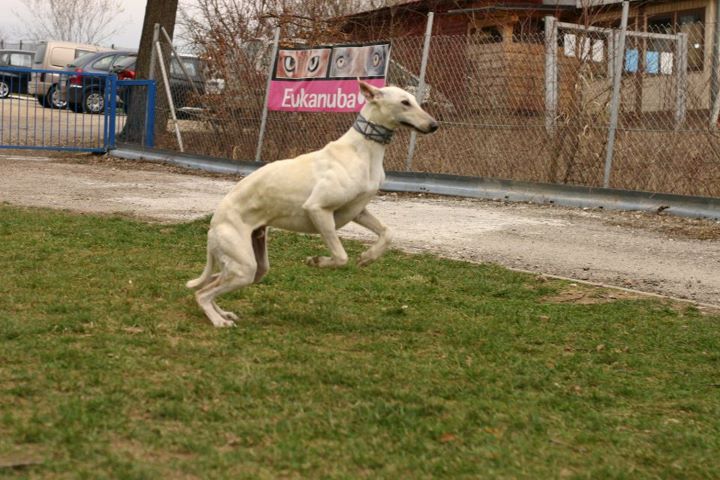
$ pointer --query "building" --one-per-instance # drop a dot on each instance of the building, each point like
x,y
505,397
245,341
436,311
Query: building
x,y
508,38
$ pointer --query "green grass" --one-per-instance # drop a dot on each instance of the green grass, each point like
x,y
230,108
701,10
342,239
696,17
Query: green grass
x,y
414,367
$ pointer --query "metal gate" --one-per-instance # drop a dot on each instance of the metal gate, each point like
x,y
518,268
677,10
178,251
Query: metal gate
x,y
603,57
71,111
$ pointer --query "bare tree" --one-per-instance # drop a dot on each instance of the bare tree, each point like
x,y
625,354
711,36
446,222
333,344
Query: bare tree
x,y
164,13
237,21
82,21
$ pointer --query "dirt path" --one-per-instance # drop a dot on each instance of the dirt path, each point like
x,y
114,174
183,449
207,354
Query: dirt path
x,y
653,253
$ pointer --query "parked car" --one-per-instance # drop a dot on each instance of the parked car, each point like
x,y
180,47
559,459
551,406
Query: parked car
x,y
85,92
54,55
14,81
181,87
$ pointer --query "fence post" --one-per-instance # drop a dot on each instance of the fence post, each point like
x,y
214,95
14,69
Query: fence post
x,y
150,115
681,53
168,92
111,111
263,119
715,70
153,53
619,61
551,73
420,92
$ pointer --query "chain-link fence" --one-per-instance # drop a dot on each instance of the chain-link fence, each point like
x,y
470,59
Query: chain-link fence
x,y
534,108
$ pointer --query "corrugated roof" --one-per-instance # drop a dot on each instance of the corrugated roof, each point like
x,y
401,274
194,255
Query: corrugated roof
x,y
396,3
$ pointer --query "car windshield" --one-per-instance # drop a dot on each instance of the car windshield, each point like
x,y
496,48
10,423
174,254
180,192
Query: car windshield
x,y
128,62
191,64
82,59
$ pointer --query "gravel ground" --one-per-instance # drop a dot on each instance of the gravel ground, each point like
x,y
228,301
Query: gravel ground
x,y
651,253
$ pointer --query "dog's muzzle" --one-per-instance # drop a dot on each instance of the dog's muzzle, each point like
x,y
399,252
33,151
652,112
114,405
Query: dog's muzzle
x,y
430,129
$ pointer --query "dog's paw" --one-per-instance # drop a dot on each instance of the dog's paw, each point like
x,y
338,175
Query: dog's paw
x,y
365,259
224,323
326,262
231,316
318,261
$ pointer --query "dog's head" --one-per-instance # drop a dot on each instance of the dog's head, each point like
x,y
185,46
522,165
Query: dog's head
x,y
393,106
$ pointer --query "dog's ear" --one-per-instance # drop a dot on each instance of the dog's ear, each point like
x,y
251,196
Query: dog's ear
x,y
369,92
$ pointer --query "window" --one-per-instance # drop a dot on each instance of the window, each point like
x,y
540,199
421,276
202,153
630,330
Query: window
x,y
584,47
659,53
120,58
80,53
658,46
40,53
20,60
692,25
61,56
104,63
190,65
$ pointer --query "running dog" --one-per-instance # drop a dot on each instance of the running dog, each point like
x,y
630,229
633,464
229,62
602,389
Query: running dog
x,y
317,192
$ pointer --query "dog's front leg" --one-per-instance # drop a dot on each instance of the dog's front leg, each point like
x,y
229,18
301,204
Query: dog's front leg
x,y
369,221
324,221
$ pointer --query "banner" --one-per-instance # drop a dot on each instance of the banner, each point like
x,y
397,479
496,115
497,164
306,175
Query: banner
x,y
324,79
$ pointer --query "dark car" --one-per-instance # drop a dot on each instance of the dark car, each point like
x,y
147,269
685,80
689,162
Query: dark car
x,y
183,93
11,80
85,92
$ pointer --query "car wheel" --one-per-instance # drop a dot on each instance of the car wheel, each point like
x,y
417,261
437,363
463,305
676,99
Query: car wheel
x,y
94,102
4,89
53,99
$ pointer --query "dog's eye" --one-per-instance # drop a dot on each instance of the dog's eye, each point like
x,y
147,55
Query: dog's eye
x,y
289,63
314,63
406,103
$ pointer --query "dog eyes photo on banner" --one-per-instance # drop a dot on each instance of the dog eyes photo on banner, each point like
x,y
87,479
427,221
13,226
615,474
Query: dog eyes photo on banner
x,y
303,63
363,62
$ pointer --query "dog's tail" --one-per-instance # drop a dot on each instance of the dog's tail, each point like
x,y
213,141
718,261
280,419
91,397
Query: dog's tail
x,y
204,277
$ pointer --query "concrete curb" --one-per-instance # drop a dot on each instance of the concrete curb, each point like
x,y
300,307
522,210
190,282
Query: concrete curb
x,y
477,187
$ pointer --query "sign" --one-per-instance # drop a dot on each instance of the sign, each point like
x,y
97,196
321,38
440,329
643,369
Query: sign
x,y
324,79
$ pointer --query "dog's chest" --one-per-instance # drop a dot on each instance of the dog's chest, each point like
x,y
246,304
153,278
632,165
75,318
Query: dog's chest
x,y
373,173
352,209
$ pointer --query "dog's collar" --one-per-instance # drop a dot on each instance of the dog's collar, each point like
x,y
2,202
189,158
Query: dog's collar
x,y
373,131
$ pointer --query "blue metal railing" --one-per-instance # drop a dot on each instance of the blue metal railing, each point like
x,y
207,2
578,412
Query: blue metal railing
x,y
68,110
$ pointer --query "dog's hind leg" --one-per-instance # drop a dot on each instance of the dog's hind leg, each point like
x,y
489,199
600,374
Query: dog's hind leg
x,y
369,221
259,244
206,276
238,268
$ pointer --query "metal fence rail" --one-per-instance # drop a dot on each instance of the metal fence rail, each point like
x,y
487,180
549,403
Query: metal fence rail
x,y
28,124
491,97
28,46
87,112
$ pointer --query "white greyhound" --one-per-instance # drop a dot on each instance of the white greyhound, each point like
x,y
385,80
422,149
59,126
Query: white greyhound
x,y
317,192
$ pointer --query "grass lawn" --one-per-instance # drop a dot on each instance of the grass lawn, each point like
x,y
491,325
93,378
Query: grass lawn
x,y
414,367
